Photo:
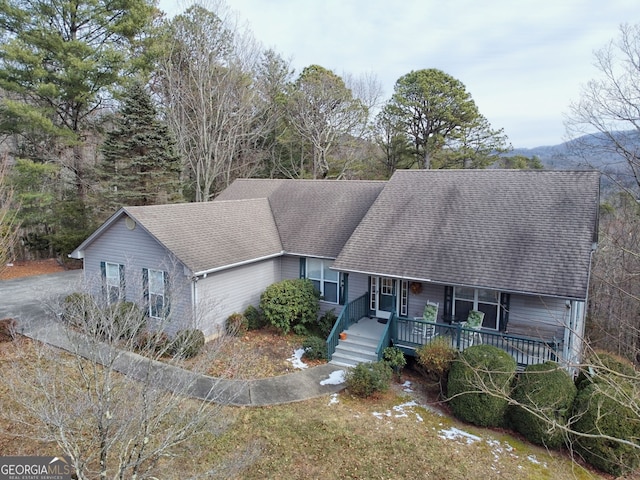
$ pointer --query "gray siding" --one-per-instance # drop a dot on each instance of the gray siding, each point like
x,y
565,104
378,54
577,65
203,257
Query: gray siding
x,y
135,249
290,267
430,292
230,291
358,285
543,317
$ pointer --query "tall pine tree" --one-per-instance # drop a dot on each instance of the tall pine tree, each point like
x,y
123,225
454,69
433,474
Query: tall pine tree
x,y
139,164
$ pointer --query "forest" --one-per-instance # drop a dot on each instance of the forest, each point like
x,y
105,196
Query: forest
x,y
104,105
102,108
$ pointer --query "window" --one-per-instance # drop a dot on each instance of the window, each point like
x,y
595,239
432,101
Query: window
x,y
466,299
155,283
112,281
324,279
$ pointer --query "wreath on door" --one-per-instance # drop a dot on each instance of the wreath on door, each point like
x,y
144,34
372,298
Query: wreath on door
x,y
416,287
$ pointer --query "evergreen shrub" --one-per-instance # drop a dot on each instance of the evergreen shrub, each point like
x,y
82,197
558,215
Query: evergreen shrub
x,y
601,366
366,379
291,304
77,308
255,318
326,323
236,325
394,357
126,320
602,409
315,348
188,343
548,390
479,385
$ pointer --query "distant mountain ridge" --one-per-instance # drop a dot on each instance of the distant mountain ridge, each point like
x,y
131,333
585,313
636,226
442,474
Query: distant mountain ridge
x,y
567,155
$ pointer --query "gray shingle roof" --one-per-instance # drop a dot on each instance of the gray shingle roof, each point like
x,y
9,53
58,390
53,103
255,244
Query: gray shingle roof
x,y
519,231
211,235
314,217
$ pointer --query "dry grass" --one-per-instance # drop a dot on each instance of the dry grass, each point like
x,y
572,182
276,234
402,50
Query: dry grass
x,y
256,354
330,437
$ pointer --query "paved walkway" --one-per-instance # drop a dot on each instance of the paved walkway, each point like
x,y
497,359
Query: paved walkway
x,y
32,302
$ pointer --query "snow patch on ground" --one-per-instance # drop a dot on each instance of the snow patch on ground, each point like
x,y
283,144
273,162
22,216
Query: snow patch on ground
x,y
401,411
296,359
335,378
454,433
333,399
406,387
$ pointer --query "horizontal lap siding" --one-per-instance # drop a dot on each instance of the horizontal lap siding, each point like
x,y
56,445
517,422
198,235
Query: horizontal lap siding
x,y
290,268
358,285
232,291
136,249
431,293
542,317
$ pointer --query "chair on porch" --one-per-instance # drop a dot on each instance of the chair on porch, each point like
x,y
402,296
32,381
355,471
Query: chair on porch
x,y
430,314
474,321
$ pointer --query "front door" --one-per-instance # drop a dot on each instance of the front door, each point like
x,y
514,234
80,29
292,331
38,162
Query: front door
x,y
384,296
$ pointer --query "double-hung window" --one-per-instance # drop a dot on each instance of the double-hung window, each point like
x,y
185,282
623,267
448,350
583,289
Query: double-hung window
x,y
113,281
155,292
466,299
324,279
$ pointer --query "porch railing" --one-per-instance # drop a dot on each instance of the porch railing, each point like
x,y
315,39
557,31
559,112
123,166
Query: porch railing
x,y
385,340
350,314
406,334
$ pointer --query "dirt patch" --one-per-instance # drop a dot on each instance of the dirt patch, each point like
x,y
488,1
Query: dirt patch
x,y
30,268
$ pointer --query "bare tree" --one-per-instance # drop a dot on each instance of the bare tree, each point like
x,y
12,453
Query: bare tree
x,y
117,406
605,121
323,112
206,77
8,224
603,125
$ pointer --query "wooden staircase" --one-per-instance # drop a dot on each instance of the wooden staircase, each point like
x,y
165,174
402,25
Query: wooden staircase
x,y
360,345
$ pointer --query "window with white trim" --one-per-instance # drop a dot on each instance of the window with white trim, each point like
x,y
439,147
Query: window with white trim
x,y
324,279
155,290
113,281
466,299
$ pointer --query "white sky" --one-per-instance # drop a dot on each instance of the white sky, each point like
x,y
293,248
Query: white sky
x,y
522,61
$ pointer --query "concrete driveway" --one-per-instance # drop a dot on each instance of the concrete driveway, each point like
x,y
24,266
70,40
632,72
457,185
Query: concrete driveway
x,y
30,300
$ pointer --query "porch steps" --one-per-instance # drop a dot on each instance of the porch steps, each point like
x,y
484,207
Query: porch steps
x,y
360,345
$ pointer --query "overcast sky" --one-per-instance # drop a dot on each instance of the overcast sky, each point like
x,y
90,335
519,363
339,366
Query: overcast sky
x,y
522,61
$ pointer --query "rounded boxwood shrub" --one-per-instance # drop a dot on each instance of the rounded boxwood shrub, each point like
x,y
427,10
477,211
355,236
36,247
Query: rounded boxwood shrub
x,y
479,385
315,348
601,409
188,343
602,366
236,325
548,390
291,304
365,379
255,318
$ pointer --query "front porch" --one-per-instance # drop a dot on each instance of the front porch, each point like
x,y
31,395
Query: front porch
x,y
409,334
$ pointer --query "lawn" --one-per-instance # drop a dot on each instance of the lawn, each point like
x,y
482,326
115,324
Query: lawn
x,y
394,436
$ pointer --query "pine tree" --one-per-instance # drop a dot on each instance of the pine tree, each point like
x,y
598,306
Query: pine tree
x,y
139,165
